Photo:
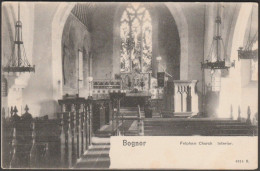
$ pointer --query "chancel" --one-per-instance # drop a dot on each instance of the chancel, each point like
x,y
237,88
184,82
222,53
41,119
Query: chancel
x,y
123,69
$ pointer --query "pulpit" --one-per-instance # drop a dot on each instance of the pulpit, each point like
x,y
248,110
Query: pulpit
x,y
180,98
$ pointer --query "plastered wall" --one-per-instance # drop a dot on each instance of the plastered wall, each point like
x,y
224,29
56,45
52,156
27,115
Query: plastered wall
x,y
75,38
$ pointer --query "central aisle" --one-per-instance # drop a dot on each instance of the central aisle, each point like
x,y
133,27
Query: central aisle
x,y
97,156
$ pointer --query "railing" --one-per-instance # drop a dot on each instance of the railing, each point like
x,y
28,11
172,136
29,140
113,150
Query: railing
x,y
140,125
106,84
45,143
76,130
102,88
140,122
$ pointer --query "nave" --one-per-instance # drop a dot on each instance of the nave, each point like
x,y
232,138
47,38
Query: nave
x,y
75,74
68,142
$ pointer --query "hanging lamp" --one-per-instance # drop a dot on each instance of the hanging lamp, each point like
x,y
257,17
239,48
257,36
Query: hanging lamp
x,y
18,61
217,43
248,52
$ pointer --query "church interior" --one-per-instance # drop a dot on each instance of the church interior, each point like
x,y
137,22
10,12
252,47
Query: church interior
x,y
75,74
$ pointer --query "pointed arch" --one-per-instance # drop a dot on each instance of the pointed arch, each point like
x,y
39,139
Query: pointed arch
x,y
59,20
182,26
136,39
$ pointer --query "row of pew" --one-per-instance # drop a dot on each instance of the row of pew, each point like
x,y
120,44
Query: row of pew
x,y
41,142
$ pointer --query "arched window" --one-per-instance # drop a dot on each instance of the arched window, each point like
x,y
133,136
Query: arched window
x,y
136,39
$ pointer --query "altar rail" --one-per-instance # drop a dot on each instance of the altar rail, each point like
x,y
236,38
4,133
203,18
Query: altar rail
x,y
107,84
102,88
44,143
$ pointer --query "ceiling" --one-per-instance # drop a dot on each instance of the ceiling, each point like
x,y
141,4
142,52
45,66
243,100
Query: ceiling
x,y
84,12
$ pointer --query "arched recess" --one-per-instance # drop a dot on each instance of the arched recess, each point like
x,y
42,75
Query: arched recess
x,y
182,26
117,40
231,87
58,23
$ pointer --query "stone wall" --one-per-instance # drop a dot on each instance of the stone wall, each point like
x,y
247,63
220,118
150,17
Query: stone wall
x,y
75,38
102,40
168,42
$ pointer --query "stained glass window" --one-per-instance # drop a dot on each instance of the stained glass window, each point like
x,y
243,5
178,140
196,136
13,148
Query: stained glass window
x,y
136,39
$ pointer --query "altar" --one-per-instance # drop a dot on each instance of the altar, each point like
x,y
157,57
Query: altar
x,y
133,99
178,98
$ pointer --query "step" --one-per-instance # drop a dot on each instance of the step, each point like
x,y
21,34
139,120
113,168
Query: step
x,y
191,123
129,108
200,132
194,119
196,125
100,140
97,157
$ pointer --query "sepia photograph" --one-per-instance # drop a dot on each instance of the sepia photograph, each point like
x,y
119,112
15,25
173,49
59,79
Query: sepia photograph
x,y
129,85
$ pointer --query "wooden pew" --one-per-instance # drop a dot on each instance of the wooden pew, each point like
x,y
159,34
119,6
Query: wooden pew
x,y
77,129
45,143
